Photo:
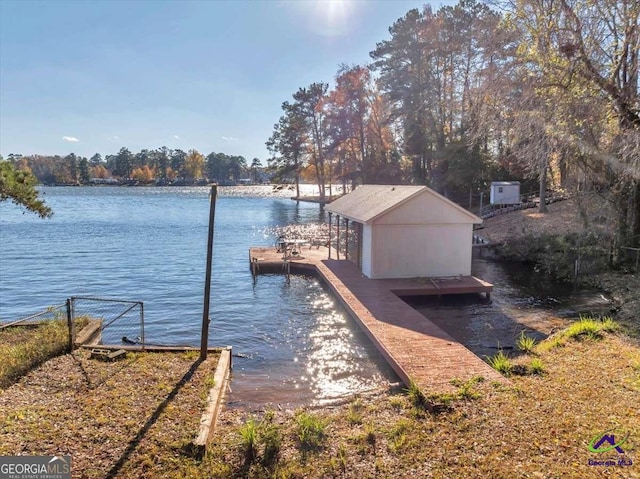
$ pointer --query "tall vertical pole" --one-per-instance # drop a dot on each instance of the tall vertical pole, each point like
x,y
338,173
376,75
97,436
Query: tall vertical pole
x,y
346,241
329,234
70,325
337,236
204,343
142,323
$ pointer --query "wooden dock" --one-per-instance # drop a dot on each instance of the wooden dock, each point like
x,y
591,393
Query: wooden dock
x,y
416,349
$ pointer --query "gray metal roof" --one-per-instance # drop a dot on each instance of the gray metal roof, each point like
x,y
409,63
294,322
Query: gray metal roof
x,y
368,202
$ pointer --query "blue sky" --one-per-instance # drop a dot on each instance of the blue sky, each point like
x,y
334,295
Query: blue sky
x,y
89,77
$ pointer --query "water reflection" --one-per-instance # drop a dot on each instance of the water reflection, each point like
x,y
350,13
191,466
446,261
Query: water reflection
x,y
522,301
315,352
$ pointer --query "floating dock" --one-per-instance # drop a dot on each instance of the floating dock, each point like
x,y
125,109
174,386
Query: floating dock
x,y
416,349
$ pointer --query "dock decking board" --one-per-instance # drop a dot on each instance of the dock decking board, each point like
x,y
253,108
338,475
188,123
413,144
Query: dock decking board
x,y
415,347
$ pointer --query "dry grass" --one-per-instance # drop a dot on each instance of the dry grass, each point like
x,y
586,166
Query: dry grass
x,y
539,428
131,418
576,214
136,418
24,347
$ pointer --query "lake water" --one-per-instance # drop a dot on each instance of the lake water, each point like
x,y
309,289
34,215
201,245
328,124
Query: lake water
x,y
297,346
149,244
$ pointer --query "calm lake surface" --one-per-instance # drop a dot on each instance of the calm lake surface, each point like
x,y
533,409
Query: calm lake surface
x,y
297,345
149,244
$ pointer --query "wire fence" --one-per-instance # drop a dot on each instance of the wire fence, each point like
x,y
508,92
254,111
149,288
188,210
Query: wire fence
x,y
52,313
121,322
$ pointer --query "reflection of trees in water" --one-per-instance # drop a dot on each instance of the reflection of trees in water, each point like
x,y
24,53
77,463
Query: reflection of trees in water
x,y
522,300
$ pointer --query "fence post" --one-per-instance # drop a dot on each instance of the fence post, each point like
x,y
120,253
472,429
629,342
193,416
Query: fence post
x,y
142,323
70,323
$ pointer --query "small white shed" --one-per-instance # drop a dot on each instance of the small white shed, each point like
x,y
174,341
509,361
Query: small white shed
x,y
405,231
505,193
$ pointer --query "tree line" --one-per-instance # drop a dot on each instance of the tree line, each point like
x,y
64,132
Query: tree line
x,y
542,90
162,165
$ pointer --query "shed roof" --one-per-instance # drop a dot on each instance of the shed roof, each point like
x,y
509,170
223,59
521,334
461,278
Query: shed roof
x,y
368,202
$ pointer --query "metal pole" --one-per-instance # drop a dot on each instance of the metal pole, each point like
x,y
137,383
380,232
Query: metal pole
x,y
337,236
204,343
70,324
329,235
346,241
142,323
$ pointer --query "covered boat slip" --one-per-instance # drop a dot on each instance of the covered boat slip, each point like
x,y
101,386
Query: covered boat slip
x,y
392,241
402,232
415,348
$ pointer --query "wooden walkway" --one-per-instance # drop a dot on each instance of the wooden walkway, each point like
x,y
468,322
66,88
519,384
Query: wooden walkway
x,y
416,349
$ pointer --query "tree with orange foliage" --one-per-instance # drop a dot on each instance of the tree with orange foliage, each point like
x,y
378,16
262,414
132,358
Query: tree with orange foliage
x,y
194,165
143,174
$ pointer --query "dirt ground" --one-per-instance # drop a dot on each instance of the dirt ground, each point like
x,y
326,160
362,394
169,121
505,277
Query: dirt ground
x,y
115,419
568,216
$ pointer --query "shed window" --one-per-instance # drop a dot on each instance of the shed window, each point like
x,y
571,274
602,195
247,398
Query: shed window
x,y
499,189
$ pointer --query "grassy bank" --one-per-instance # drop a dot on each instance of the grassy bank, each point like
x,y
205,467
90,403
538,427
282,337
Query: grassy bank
x,y
135,417
564,392
24,347
584,236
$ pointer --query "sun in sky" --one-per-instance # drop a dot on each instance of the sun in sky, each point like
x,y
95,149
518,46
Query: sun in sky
x,y
330,18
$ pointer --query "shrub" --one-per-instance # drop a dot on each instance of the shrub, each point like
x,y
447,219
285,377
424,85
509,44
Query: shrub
x,y
416,396
525,343
249,438
272,441
557,254
501,363
310,431
355,412
466,388
536,367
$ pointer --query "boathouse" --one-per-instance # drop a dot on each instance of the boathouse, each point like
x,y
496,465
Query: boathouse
x,y
397,231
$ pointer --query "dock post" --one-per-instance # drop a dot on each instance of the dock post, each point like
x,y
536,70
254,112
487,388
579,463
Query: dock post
x,y
204,340
287,268
255,267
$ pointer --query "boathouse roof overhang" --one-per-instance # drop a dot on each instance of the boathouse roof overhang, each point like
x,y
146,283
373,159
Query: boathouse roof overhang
x,y
367,203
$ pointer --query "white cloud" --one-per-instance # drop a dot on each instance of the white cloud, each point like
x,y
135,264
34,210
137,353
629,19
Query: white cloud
x,y
227,138
71,139
176,137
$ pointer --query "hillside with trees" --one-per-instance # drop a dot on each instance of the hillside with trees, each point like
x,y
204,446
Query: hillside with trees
x,y
544,92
